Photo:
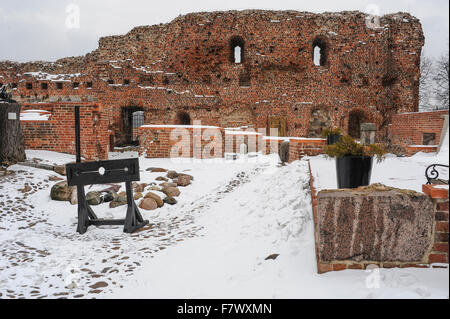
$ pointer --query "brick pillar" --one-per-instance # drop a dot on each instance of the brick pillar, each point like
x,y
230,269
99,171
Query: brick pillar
x,y
439,253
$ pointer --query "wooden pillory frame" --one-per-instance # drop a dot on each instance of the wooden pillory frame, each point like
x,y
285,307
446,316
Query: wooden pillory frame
x,y
103,172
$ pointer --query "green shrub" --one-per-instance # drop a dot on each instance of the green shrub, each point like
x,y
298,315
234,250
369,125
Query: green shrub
x,y
331,131
347,146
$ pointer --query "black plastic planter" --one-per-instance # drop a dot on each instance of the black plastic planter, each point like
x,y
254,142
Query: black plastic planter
x,y
353,171
333,139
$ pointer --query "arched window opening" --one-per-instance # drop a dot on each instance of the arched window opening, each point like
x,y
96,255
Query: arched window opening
x,y
320,52
237,46
237,54
317,55
183,118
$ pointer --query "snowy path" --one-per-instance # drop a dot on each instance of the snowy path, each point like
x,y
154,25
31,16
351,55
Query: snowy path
x,y
41,254
271,214
213,243
41,257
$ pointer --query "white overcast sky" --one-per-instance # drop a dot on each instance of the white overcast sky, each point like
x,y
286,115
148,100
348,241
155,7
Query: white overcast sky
x,y
36,30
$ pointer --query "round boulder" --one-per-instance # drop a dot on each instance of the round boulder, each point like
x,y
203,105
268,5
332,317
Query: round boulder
x,y
148,204
61,191
60,169
139,188
155,188
171,191
119,201
94,198
167,184
172,174
155,197
182,180
170,200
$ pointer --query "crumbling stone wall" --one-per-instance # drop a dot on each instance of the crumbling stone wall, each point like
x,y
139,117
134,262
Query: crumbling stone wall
x,y
188,65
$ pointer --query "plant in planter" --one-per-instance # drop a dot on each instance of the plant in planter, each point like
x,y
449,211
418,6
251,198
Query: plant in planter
x,y
354,161
332,135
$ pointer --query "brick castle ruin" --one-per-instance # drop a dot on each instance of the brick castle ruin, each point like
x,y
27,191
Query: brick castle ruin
x,y
295,71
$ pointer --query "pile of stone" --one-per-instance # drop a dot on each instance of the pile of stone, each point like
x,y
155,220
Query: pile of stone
x,y
148,193
169,186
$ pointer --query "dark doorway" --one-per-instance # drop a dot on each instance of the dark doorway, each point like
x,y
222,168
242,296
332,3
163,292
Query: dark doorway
x,y
183,118
138,120
354,123
132,118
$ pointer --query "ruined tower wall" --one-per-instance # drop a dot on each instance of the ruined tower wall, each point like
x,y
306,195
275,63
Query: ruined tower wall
x,y
187,66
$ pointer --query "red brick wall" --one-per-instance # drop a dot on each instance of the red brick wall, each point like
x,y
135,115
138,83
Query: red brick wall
x,y
233,142
272,145
166,142
298,148
58,133
439,251
408,128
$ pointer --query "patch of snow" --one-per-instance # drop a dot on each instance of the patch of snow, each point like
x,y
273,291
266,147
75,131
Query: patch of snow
x,y
275,138
179,126
399,172
233,132
444,147
35,115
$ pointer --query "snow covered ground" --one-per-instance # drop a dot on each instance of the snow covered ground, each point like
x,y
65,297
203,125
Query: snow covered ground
x,y
400,172
213,243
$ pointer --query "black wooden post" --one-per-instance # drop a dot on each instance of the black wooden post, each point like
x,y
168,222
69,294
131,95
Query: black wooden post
x,y
77,134
12,146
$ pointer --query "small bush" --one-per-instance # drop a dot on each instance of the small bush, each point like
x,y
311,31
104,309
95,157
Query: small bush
x,y
347,146
331,131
